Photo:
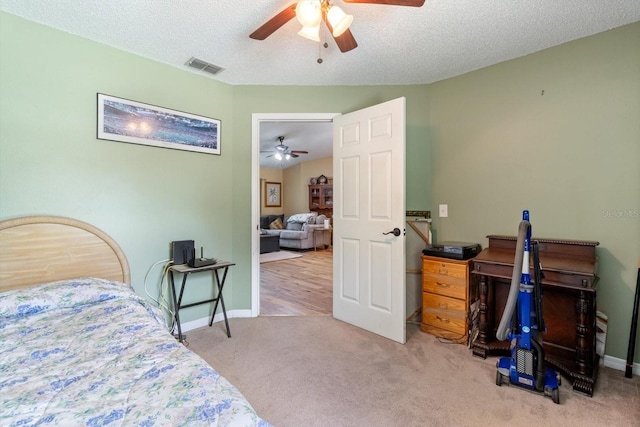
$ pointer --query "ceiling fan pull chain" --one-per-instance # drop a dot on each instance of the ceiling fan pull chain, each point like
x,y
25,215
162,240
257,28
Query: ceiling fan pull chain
x,y
320,46
320,52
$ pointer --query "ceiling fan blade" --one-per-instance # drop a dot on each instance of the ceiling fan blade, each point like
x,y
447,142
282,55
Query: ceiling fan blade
x,y
346,41
415,3
299,152
274,23
294,155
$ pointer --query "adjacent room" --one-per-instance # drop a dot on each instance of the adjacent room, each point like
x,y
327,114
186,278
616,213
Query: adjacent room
x,y
349,213
296,260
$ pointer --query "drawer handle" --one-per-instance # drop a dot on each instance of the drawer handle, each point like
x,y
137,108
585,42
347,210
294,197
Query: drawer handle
x,y
443,285
443,305
443,320
443,271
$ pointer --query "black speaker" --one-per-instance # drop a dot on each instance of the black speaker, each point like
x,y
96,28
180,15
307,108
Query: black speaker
x,y
182,251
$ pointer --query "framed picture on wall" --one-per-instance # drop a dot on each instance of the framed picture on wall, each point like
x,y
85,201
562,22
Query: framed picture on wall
x,y
272,194
123,120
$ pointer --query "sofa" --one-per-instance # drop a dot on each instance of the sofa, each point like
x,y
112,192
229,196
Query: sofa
x,y
296,231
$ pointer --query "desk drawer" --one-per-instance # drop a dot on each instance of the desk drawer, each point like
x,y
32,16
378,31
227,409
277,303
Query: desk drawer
x,y
454,288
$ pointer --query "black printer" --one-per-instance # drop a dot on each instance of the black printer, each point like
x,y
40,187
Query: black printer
x,y
453,250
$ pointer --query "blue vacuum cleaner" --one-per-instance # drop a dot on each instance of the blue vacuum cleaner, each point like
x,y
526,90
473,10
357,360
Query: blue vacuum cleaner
x,y
522,324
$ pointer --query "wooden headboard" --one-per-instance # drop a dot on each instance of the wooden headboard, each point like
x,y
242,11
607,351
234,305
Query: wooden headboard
x,y
41,249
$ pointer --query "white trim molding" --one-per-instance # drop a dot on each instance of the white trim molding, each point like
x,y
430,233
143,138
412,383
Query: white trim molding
x,y
620,364
199,323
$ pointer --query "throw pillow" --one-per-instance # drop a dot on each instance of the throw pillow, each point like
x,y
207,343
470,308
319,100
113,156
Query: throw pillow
x,y
276,224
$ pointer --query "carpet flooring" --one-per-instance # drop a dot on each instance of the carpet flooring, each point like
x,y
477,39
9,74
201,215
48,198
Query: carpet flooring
x,y
278,256
319,371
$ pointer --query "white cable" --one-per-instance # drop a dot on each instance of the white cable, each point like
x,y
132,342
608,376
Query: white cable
x,y
147,275
166,304
163,301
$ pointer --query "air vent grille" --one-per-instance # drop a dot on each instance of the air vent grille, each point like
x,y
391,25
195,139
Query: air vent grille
x,y
204,66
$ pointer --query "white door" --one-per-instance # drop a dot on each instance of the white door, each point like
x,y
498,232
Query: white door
x,y
368,188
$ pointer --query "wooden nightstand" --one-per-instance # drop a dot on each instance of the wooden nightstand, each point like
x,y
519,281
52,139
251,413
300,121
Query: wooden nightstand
x,y
448,290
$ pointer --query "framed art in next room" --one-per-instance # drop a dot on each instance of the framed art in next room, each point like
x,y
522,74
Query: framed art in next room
x,y
272,194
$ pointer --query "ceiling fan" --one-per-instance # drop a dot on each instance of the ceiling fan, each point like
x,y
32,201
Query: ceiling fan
x,y
283,151
311,13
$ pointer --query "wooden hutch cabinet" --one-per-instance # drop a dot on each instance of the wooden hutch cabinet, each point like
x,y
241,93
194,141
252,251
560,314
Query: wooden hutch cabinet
x,y
568,297
321,199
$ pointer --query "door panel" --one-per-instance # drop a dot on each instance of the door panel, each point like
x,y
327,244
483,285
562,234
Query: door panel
x,y
380,276
369,179
350,277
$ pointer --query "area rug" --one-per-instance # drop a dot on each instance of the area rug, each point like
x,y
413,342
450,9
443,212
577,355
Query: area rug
x,y
278,256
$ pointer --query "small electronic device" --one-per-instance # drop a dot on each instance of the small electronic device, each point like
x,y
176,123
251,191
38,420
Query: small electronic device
x,y
202,261
182,251
453,250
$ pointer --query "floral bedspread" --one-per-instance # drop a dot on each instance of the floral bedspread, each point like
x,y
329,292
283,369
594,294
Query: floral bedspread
x,y
91,352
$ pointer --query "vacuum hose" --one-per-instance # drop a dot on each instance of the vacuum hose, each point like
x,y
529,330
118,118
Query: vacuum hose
x,y
512,299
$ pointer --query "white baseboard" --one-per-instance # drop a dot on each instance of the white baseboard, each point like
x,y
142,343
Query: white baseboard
x,y
609,361
620,364
199,323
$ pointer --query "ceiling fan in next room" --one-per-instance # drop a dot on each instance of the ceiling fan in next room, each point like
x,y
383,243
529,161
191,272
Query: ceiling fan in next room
x,y
311,14
283,151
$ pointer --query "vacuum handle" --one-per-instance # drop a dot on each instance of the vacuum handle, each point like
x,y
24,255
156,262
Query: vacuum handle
x,y
512,299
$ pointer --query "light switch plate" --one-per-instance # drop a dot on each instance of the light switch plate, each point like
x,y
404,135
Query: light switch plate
x,y
443,211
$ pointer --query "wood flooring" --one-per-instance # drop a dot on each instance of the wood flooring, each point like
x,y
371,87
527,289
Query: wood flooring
x,y
298,287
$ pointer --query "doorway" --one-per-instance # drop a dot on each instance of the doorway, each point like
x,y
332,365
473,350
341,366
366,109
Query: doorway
x,y
257,120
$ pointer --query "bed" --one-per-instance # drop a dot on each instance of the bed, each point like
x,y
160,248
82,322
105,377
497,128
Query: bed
x,y
78,346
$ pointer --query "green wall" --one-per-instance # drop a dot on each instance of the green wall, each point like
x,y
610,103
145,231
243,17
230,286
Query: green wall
x,y
558,133
51,162
466,141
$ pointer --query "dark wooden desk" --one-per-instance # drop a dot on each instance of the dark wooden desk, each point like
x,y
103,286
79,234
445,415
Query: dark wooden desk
x,y
569,303
186,271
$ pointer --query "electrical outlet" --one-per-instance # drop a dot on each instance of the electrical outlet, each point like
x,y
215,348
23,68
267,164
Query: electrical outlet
x,y
443,211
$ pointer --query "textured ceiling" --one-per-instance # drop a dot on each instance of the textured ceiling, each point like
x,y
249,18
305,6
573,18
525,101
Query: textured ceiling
x,y
396,45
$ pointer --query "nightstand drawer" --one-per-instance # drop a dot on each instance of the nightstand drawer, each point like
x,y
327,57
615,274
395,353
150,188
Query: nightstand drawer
x,y
452,288
438,302
444,269
445,320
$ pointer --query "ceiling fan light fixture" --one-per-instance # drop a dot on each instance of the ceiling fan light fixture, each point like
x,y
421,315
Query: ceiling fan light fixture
x,y
311,33
339,20
278,156
287,156
309,13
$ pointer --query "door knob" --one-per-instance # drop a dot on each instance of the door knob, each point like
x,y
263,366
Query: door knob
x,y
396,232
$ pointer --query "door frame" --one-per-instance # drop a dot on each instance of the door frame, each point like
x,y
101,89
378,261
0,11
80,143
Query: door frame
x,y
256,120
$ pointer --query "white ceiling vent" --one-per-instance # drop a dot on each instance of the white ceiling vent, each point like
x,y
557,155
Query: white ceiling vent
x,y
203,66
